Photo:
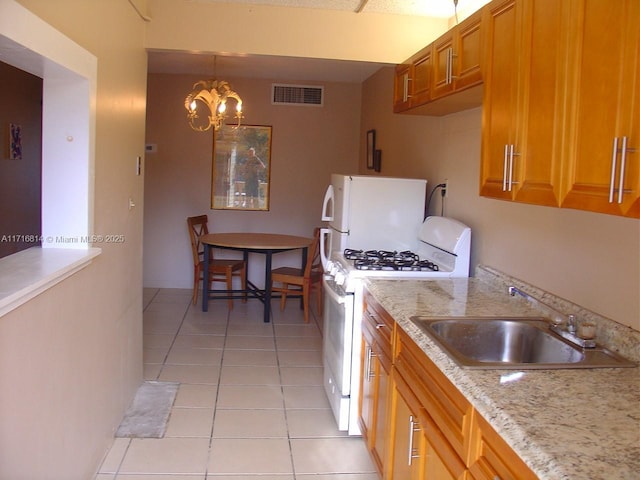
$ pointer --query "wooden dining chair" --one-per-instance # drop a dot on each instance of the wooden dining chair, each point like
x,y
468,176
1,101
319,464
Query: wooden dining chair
x,y
220,270
296,281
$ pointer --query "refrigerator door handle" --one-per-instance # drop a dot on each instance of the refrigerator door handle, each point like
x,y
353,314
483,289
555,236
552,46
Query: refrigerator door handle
x,y
324,234
327,216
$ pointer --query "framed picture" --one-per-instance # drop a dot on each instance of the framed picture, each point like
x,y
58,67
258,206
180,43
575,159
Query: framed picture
x,y
371,148
241,168
15,142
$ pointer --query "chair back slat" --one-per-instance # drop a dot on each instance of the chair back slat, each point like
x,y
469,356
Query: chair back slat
x,y
197,227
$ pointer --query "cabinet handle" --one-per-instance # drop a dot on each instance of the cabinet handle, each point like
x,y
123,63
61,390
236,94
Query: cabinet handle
x,y
405,94
614,161
368,370
511,155
624,149
510,166
507,170
380,325
504,168
414,426
623,165
450,61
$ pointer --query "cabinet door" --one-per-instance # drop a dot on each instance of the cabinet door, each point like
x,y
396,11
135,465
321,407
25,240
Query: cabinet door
x,y
457,56
499,100
605,109
421,83
490,458
522,146
420,450
467,55
442,60
380,440
377,328
367,391
401,85
542,80
441,461
408,448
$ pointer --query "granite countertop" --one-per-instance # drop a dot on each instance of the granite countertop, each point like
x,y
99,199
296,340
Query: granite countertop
x,y
565,424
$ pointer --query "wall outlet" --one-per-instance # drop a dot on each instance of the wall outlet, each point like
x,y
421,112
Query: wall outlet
x,y
446,188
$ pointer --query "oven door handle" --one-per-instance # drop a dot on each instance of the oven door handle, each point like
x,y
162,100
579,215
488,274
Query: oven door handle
x,y
324,235
335,296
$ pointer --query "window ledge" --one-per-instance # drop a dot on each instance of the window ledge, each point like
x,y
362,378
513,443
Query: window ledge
x,y
30,272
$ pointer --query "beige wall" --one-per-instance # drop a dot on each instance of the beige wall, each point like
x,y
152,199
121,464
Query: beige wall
x,y
587,258
297,32
308,145
71,358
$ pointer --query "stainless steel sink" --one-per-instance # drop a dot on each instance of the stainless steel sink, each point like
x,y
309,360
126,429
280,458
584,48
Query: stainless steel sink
x,y
512,343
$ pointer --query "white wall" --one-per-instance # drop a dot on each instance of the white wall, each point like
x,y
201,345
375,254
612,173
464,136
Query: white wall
x,y
587,258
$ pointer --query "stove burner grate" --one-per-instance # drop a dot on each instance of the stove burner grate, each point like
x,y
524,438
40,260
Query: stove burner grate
x,y
388,260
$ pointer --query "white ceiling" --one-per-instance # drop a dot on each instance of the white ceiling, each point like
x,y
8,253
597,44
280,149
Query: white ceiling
x,y
302,69
429,8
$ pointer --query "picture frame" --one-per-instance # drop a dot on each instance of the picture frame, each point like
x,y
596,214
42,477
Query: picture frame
x,y
15,142
241,168
371,148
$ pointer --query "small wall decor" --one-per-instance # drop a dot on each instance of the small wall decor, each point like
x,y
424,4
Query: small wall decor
x,y
15,142
371,148
241,168
377,160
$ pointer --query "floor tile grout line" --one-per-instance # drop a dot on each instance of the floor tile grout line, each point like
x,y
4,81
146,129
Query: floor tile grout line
x,y
164,361
215,402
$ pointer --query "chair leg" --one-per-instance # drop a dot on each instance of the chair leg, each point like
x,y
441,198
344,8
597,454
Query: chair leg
x,y
229,275
283,296
196,283
243,283
305,301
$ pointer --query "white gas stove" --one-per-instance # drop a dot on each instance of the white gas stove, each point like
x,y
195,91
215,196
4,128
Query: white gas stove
x,y
442,250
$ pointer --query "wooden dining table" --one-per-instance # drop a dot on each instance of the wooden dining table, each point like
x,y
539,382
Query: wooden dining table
x,y
247,242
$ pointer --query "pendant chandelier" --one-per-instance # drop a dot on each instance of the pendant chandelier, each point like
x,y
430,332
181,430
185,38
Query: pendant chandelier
x,y
209,97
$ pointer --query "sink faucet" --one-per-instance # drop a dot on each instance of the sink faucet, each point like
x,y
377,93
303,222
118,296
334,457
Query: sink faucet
x,y
561,324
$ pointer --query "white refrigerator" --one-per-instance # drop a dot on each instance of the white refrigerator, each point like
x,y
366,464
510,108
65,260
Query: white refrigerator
x,y
371,212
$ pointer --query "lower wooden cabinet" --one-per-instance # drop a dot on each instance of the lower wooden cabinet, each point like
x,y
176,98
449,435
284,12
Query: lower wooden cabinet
x,y
374,382
490,458
418,448
416,423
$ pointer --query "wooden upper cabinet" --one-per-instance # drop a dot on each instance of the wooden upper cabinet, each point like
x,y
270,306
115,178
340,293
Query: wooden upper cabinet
x,y
525,74
401,86
457,58
500,93
605,123
449,65
422,65
561,113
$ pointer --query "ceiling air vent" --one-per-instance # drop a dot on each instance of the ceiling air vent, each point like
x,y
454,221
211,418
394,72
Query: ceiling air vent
x,y
296,95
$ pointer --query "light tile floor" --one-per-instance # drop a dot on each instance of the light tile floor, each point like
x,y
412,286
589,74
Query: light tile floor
x,y
250,405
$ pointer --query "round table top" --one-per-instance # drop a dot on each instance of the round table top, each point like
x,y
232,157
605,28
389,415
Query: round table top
x,y
256,241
